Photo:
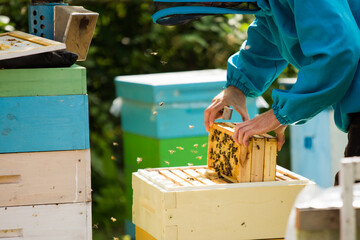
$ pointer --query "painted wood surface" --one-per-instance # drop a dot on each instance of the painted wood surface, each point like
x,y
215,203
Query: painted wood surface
x,y
156,153
44,222
24,44
171,120
185,96
47,123
233,211
45,177
43,82
317,147
187,86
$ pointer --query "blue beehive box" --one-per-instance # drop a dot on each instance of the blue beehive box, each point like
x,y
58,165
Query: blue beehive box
x,y
316,146
164,105
45,123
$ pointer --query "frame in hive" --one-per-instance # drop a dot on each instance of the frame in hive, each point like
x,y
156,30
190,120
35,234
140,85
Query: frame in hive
x,y
255,163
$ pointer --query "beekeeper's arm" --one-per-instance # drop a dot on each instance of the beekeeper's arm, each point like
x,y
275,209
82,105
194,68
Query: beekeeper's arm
x,y
250,72
330,43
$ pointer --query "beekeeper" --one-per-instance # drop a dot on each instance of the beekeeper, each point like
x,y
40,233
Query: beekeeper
x,y
320,38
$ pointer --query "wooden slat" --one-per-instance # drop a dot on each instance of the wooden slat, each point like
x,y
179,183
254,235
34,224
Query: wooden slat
x,y
187,178
174,178
287,175
215,180
270,159
245,163
199,177
282,176
210,147
257,162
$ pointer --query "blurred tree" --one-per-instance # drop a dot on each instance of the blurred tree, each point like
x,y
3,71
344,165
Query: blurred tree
x,y
127,42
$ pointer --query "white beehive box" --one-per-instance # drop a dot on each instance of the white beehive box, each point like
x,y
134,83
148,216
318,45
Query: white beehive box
x,y
182,204
44,222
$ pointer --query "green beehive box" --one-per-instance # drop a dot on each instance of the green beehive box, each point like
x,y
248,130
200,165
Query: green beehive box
x,y
43,82
153,152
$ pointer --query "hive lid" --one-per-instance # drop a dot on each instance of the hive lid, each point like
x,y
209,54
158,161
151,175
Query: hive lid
x,y
186,86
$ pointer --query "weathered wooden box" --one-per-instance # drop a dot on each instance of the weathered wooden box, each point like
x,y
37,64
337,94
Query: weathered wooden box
x,y
255,163
44,222
45,178
182,204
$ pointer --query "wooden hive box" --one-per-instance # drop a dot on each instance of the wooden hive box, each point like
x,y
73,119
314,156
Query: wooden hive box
x,y
256,163
44,178
178,100
43,222
180,203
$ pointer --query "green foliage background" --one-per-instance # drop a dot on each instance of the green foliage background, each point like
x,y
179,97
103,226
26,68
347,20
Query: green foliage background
x,y
127,42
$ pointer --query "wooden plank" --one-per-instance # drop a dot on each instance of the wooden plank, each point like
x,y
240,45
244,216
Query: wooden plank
x,y
43,82
71,28
245,163
270,159
257,161
215,179
47,123
210,161
213,217
45,178
26,44
43,222
187,178
317,219
199,177
174,178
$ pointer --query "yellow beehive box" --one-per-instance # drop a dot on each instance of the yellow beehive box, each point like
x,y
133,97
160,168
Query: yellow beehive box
x,y
185,203
255,163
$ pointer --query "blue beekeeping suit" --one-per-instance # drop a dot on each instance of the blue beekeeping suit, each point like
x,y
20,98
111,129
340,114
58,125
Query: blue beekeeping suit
x,y
321,38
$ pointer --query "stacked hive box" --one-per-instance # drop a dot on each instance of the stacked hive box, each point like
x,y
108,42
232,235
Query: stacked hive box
x,y
162,118
44,154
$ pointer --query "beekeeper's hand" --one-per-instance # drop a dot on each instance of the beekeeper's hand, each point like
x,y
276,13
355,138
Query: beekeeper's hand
x,y
231,96
263,123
